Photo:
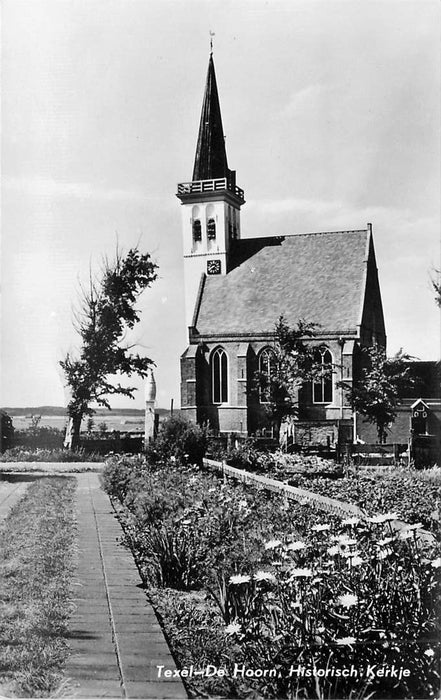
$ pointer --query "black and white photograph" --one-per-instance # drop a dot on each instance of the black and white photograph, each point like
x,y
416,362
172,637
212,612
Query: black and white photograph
x,y
220,408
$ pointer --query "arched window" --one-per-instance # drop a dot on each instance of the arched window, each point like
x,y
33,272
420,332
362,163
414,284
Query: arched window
x,y
197,230
322,388
211,229
267,362
219,376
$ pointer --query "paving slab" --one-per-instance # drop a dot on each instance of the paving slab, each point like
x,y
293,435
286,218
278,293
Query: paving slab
x,y
115,638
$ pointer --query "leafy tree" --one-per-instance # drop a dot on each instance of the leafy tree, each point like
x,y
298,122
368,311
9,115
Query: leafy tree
x,y
436,284
292,362
107,312
376,394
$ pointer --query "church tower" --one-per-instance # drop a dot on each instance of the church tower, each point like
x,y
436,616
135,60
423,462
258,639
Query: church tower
x,y
210,202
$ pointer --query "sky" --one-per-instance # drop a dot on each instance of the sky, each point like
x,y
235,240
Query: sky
x,y
331,112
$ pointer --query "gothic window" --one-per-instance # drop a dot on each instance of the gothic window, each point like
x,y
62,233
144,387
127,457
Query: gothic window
x,y
197,230
211,229
267,362
219,376
322,388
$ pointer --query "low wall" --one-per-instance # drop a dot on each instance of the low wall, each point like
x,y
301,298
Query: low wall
x,y
330,505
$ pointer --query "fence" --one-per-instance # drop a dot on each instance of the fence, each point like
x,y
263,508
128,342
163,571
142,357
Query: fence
x,y
331,505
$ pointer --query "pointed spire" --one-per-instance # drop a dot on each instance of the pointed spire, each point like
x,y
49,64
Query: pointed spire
x,y
211,158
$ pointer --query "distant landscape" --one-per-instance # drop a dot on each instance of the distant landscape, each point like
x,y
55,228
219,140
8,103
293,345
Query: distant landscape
x,y
122,419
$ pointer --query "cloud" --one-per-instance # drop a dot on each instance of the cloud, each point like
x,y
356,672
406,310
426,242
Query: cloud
x,y
44,187
305,98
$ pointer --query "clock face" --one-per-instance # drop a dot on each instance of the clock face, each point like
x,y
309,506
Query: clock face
x,y
213,267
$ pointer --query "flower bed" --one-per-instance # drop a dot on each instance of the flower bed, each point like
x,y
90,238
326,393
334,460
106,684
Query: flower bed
x,y
414,495
273,599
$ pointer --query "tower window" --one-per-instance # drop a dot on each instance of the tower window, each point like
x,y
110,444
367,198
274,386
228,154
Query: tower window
x,y
219,376
322,388
267,364
232,231
197,230
211,229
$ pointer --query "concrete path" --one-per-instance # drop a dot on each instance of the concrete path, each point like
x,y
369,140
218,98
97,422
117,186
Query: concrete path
x,y
10,494
115,638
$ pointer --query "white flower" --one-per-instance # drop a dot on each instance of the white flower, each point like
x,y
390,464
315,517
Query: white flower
x,y
321,527
300,573
243,504
376,519
436,563
384,541
295,546
264,576
347,542
429,652
355,561
345,640
186,522
272,544
347,600
405,535
350,521
232,628
237,579
332,551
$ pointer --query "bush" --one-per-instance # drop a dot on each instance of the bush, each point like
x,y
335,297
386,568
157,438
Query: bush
x,y
118,474
21,454
37,436
184,441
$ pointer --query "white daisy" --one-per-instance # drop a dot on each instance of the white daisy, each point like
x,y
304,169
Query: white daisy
x,y
348,600
295,546
264,576
355,561
300,573
237,579
350,521
333,551
345,641
232,628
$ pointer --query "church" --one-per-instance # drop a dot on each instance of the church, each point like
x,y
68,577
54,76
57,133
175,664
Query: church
x,y
236,288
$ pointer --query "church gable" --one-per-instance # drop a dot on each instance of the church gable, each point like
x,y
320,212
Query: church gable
x,y
319,277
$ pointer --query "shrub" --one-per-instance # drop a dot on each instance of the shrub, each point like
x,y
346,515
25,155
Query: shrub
x,y
184,441
22,454
118,474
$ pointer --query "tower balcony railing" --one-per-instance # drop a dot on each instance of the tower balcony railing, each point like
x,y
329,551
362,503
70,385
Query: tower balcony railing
x,y
216,185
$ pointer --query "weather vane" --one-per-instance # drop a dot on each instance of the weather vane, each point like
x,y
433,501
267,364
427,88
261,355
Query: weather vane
x,y
212,34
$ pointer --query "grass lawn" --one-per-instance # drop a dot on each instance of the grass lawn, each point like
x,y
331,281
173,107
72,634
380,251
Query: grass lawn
x,y
36,566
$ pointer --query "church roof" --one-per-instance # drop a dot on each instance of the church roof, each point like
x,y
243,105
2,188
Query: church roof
x,y
211,158
319,277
